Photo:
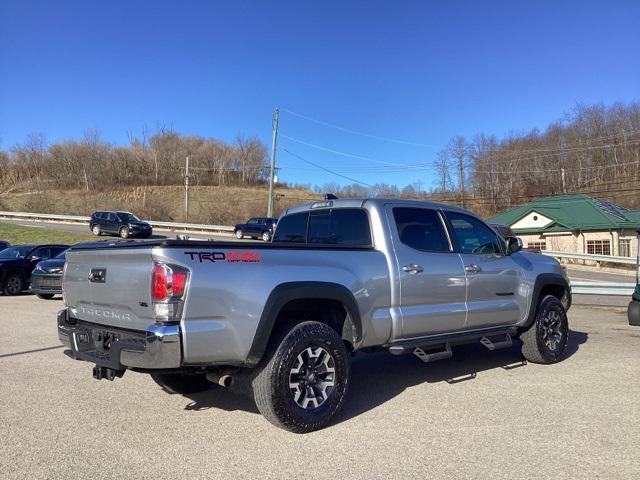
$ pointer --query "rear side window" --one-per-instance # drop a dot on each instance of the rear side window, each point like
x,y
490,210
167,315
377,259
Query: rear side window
x,y
292,228
421,229
342,226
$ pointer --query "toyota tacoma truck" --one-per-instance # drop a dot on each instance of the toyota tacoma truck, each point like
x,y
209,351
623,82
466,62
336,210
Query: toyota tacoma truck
x,y
340,277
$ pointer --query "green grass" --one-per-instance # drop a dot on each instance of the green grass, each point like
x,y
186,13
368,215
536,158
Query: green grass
x,y
19,234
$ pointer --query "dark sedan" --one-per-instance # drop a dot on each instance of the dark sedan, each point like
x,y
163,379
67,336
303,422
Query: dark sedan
x,y
17,263
46,278
123,224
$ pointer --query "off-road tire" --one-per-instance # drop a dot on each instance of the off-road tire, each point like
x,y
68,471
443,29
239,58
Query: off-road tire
x,y
45,296
182,383
633,312
95,229
239,234
271,390
13,284
534,340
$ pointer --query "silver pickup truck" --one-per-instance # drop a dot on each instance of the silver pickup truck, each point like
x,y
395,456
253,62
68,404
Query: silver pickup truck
x,y
340,277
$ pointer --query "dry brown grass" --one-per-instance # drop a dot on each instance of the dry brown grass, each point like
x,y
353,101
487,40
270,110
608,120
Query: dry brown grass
x,y
210,205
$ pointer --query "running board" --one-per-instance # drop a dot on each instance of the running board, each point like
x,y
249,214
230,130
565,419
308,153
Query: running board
x,y
503,342
408,345
428,357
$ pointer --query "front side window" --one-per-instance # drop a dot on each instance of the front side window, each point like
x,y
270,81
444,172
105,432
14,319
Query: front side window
x,y
292,228
473,236
421,229
340,226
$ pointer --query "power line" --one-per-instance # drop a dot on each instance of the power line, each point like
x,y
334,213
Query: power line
x,y
326,169
417,144
362,134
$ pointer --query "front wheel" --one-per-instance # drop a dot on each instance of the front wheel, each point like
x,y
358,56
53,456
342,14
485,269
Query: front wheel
x,y
546,339
303,380
182,383
633,312
124,232
266,236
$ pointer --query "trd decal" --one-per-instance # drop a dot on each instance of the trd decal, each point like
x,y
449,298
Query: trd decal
x,y
230,257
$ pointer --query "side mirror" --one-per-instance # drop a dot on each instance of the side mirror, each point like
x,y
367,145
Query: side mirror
x,y
514,244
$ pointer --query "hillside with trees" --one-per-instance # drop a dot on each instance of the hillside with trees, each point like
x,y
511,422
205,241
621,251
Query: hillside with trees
x,y
594,150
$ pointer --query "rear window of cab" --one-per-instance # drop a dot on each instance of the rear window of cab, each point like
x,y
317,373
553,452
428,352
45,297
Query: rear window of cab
x,y
335,226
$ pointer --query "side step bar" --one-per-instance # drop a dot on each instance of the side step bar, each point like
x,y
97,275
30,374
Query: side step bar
x,y
491,338
432,356
497,344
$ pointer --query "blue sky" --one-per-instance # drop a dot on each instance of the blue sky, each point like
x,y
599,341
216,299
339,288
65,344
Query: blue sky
x,y
420,71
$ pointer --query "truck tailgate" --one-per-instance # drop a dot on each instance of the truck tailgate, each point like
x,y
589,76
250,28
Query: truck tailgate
x,y
110,286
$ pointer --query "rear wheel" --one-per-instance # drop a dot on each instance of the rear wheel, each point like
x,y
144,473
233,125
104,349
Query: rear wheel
x,y
124,232
303,379
182,383
45,296
546,340
239,234
96,230
13,284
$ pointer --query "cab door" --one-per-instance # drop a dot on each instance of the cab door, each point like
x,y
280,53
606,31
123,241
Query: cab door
x,y
431,274
496,291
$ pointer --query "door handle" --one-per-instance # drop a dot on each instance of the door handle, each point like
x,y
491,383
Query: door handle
x,y
412,268
473,268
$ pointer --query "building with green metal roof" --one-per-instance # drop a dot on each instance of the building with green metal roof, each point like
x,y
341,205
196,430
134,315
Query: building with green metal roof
x,y
574,223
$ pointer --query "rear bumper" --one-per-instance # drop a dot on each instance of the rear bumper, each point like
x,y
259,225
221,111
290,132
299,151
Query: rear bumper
x,y
156,348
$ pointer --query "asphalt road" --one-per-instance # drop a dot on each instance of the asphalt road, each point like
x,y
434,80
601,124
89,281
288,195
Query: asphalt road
x,y
479,415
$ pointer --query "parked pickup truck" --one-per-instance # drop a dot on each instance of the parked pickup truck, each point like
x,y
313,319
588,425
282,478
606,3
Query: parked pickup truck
x,y
340,277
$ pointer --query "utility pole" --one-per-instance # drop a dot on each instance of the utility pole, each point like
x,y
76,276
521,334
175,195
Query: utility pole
x,y
272,173
564,183
186,190
461,177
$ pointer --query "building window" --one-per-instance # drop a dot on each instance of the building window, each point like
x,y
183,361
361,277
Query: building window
x,y
624,247
598,247
537,245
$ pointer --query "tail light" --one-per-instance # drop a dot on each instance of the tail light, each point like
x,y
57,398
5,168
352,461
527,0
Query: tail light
x,y
168,285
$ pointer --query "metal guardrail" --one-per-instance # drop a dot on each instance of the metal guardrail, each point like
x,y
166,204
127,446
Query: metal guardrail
x,y
593,258
602,288
50,217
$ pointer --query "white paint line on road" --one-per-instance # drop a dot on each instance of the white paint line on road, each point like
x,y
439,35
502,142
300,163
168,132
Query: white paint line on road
x,y
31,225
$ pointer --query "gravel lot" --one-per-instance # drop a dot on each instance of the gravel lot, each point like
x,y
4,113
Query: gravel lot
x,y
478,415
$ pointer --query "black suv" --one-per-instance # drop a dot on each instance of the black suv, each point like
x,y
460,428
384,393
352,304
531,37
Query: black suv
x,y
257,227
17,262
123,224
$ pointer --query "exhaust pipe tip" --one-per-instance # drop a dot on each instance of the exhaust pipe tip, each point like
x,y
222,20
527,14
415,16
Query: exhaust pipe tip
x,y
222,379
225,381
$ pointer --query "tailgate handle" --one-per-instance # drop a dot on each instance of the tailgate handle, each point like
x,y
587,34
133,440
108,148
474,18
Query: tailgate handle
x,y
98,275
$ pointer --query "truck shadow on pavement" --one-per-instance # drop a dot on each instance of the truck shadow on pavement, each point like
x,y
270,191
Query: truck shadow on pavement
x,y
379,377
